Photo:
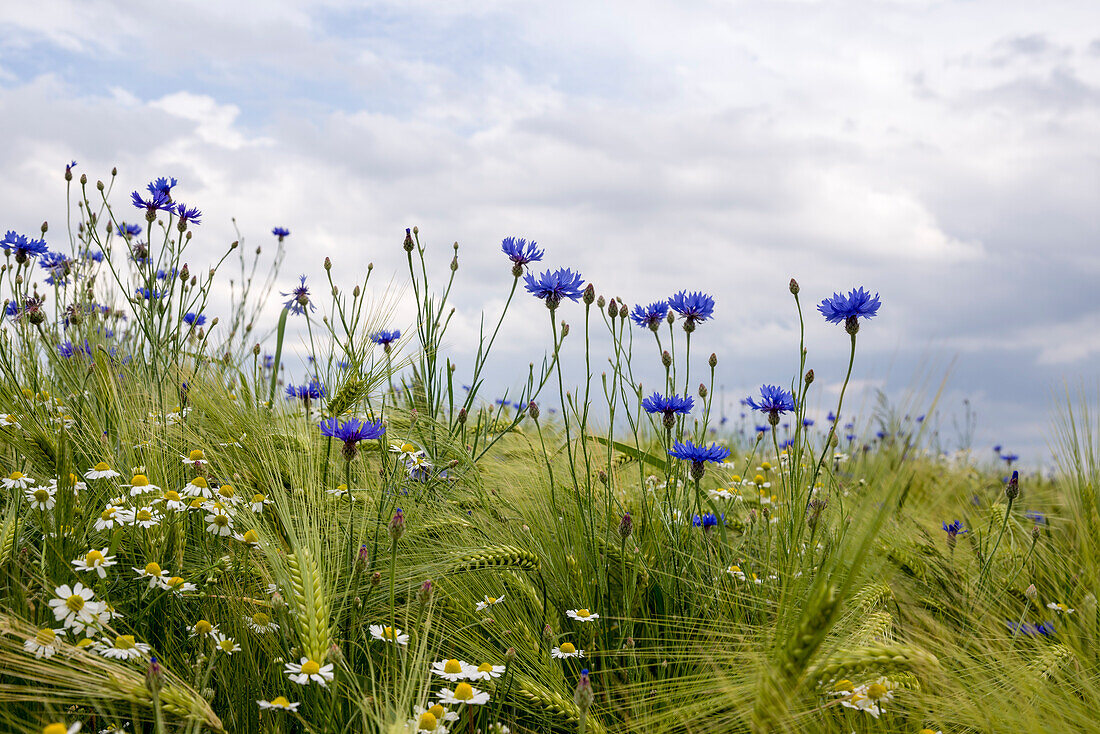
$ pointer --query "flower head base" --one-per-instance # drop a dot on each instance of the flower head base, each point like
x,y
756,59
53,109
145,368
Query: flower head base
x,y
651,316
692,307
669,406
299,298
849,309
552,287
520,252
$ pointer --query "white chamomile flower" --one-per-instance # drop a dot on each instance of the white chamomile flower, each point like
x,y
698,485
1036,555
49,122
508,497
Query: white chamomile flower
x,y
197,459
102,470
582,615
41,498
139,485
249,537
869,698
279,703
225,644
74,608
198,487
172,500
143,517
261,623
726,493
123,648
488,602
309,670
452,670
1060,608
485,671
405,449
464,693
177,584
258,501
218,523
340,492
153,572
107,519
227,493
567,650
388,634
95,560
45,643
17,480
736,572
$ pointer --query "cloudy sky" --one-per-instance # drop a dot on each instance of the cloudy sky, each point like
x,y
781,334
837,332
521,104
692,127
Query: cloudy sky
x,y
941,153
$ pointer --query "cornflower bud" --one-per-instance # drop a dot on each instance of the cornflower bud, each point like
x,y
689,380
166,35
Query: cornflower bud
x,y
462,416
83,179
589,296
376,578
427,591
1031,592
547,634
671,318
613,309
509,655
794,287
1012,489
702,390
397,526
533,410
626,526
809,376
408,244
583,695
600,302
45,227
713,361
362,558
666,358
602,476
564,329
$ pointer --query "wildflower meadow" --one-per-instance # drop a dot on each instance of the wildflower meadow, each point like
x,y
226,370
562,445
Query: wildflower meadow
x,y
203,529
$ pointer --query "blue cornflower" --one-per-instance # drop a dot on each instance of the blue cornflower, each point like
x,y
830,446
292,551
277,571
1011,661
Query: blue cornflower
x,y
1009,458
707,521
831,417
552,287
299,299
858,303
698,456
194,319
762,429
669,406
312,390
268,361
24,247
187,215
351,432
1044,629
129,230
148,294
1036,517
65,349
650,316
997,449
807,422
70,167
953,529
850,437
68,349
156,202
94,255
521,252
693,307
385,338
774,401
167,274
57,266
162,186
280,232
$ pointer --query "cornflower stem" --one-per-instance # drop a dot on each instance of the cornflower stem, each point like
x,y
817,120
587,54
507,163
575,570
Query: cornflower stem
x,y
836,421
997,544
1020,621
393,587
687,364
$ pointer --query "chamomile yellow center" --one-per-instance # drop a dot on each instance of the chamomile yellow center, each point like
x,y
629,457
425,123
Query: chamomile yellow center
x,y
124,642
842,685
281,702
464,691
107,514
200,482
452,667
226,490
174,582
153,569
437,711
93,558
16,475
260,619
875,691
226,645
75,602
568,647
251,536
143,515
41,495
310,668
259,497
172,495
102,466
140,480
54,729
197,455
45,636
86,642
766,466
427,721
196,503
758,479
583,613
389,633
491,600
221,520
202,627
485,668
736,479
